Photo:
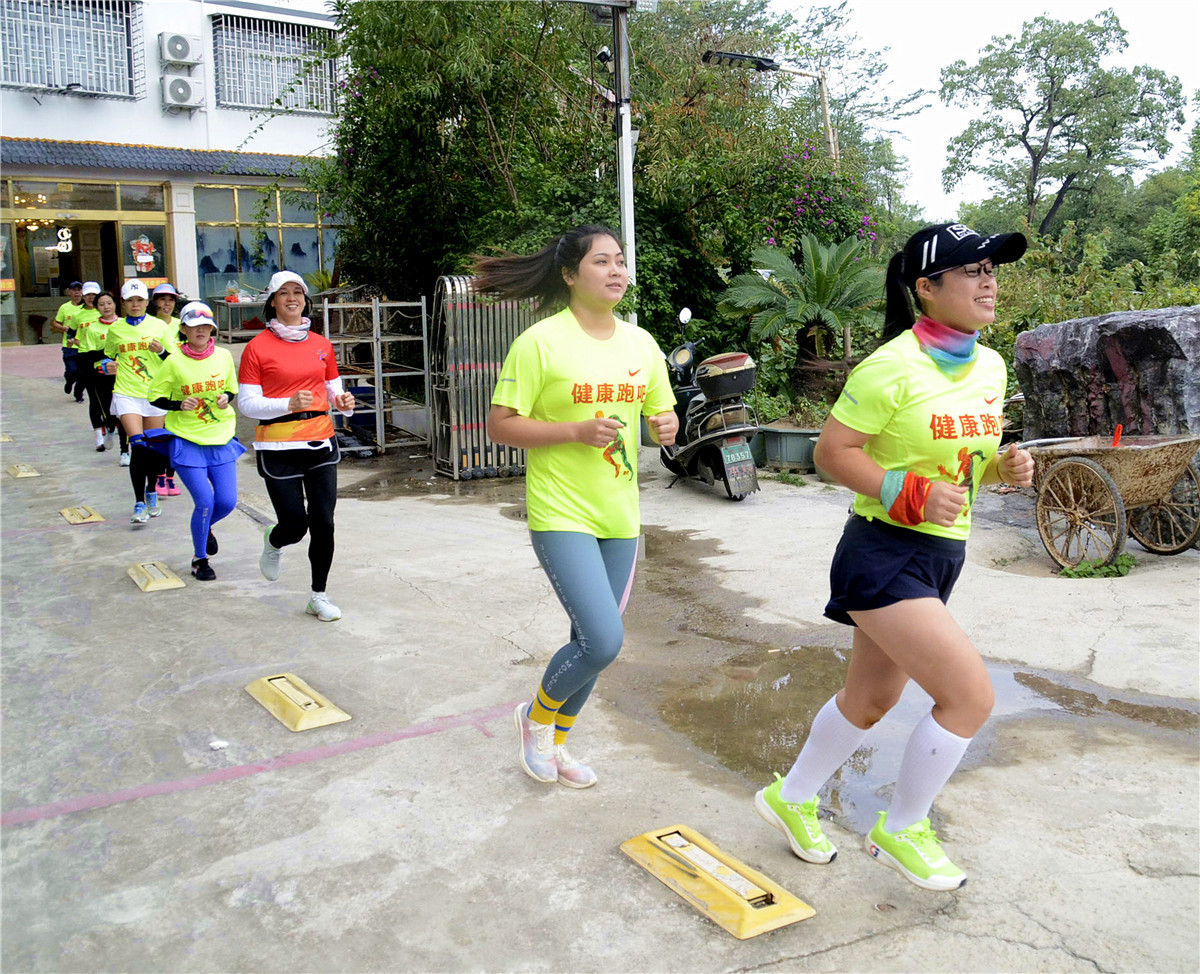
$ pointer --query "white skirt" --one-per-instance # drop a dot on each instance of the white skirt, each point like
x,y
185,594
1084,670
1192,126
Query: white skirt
x,y
132,404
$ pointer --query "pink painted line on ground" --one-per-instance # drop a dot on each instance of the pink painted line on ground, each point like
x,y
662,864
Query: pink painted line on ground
x,y
473,718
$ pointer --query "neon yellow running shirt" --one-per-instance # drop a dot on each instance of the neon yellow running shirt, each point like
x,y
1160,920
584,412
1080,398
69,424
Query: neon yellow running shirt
x,y
922,421
556,372
66,311
180,377
82,321
129,345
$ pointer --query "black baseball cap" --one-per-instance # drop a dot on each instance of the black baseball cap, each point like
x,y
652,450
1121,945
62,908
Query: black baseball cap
x,y
949,245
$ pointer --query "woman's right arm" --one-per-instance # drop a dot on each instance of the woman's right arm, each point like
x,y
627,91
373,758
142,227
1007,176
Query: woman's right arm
x,y
505,425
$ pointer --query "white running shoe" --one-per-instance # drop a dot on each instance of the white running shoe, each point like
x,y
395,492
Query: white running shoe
x,y
537,746
572,773
124,459
268,562
320,606
110,437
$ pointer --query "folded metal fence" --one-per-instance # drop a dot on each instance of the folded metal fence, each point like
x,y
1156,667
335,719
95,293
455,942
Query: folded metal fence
x,y
468,341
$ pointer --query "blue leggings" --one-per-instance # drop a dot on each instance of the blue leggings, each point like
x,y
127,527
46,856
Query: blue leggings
x,y
592,578
214,492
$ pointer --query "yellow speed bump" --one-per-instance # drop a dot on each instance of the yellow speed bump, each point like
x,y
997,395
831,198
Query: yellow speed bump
x,y
5,438
81,515
741,900
297,705
23,470
154,576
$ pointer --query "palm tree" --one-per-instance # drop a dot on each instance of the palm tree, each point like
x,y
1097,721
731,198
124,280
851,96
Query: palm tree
x,y
830,290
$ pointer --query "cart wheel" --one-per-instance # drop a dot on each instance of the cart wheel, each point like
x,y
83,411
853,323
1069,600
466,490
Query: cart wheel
x,y
1173,524
1080,515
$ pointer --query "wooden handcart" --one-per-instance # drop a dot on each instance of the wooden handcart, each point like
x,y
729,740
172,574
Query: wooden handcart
x,y
1090,494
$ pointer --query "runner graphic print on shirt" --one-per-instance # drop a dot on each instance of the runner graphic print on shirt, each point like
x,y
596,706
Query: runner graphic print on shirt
x,y
617,446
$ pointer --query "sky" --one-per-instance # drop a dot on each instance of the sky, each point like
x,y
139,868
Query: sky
x,y
926,35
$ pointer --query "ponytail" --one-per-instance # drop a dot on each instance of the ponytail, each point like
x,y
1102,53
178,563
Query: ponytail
x,y
898,313
514,277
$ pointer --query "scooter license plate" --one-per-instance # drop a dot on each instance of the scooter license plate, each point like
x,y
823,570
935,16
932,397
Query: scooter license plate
x,y
736,451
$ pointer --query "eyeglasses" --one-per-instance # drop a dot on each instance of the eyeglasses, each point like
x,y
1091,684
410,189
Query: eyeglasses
x,y
988,270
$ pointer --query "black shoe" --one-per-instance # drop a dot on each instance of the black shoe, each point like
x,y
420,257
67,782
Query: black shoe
x,y
79,400
67,386
212,544
202,571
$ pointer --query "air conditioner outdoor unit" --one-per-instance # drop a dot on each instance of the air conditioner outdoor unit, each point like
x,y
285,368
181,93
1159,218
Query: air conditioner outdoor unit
x,y
182,91
180,48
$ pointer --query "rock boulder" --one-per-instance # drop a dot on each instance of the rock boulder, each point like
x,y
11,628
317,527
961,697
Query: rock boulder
x,y
1137,368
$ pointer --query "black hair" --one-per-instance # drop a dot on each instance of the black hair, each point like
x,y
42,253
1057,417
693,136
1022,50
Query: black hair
x,y
152,307
115,300
269,305
902,303
514,277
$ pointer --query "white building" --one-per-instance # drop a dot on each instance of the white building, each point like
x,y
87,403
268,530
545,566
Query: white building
x,y
137,140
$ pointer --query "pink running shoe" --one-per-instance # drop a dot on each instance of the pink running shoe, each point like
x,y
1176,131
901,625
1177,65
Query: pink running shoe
x,y
160,487
172,490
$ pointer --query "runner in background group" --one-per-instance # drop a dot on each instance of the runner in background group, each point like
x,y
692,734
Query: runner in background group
x,y
86,335
134,349
72,381
163,300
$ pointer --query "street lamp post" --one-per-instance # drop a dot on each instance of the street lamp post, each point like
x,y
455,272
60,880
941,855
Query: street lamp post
x,y
727,60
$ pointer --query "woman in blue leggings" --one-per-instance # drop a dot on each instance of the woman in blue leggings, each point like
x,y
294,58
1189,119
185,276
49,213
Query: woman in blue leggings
x,y
571,392
196,387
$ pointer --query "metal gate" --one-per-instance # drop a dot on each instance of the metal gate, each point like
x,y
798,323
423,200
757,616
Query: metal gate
x,y
468,342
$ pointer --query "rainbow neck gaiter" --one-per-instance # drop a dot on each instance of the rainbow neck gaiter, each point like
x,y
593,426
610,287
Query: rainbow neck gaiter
x,y
952,351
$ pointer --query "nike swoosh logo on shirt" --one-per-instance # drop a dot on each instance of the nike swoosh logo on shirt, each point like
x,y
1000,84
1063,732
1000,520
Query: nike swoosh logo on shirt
x,y
990,401
634,371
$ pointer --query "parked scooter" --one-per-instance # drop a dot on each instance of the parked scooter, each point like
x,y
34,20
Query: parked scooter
x,y
715,424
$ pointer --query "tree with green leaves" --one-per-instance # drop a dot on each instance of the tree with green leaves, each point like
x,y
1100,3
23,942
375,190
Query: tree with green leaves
x,y
1051,119
801,309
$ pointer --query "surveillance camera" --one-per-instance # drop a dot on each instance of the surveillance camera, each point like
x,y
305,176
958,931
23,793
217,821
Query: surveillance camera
x,y
604,55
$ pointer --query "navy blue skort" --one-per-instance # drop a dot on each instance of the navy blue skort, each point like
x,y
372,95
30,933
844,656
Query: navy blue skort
x,y
878,564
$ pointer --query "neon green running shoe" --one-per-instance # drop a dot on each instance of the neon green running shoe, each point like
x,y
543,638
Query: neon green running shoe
x,y
798,822
915,854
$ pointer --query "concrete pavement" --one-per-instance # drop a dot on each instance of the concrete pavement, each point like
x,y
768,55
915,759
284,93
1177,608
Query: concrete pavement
x,y
407,839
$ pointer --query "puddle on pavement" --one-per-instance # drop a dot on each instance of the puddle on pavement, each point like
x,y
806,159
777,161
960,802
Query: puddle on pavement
x,y
752,710
753,713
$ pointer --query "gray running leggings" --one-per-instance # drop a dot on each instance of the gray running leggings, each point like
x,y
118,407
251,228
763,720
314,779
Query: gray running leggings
x,y
592,578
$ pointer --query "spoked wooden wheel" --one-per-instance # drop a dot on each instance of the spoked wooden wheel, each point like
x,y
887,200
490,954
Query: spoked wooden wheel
x,y
1080,515
1173,524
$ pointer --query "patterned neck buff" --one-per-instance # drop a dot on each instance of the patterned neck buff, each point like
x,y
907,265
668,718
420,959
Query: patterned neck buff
x,y
290,333
952,351
190,352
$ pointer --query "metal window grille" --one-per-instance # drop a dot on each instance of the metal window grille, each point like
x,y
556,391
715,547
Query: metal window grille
x,y
269,64
78,47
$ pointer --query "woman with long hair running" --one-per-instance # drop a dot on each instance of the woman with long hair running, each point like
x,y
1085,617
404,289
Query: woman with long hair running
x,y
915,433
196,387
134,348
288,380
574,386
163,301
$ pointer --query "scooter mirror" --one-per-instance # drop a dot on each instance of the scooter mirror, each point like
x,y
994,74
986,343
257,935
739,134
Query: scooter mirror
x,y
685,315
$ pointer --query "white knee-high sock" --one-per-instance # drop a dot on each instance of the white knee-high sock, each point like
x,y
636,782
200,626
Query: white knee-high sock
x,y
930,758
831,741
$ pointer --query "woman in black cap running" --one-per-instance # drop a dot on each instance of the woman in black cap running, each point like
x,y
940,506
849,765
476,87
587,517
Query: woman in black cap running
x,y
915,433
